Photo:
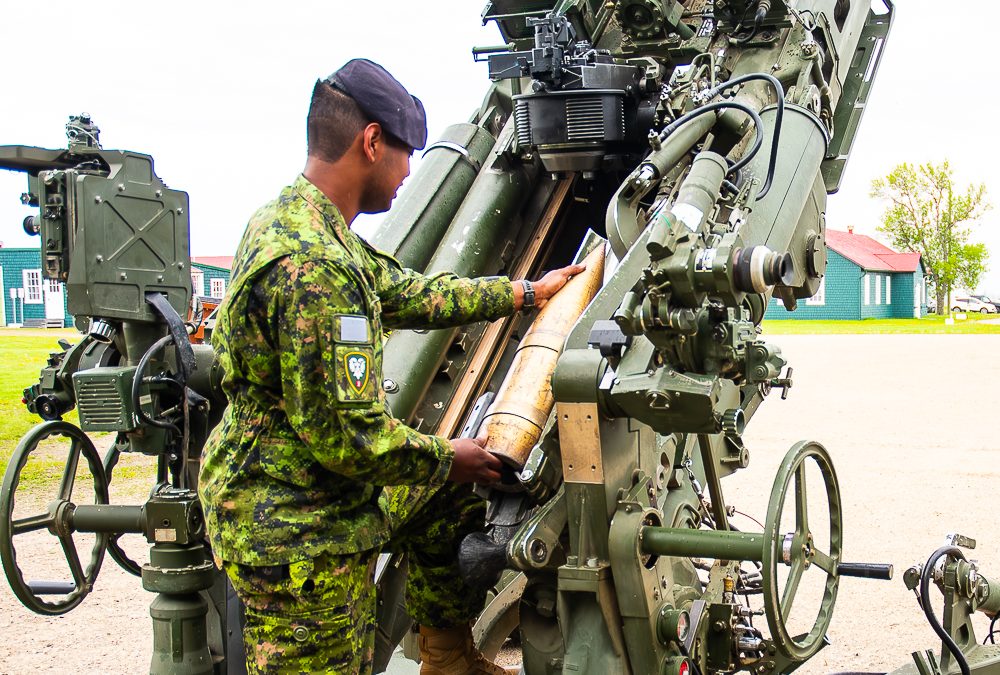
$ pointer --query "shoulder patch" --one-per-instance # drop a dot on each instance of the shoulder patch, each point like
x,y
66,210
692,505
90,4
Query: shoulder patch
x,y
357,367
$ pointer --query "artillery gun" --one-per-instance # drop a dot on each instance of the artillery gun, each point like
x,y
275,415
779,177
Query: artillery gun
x,y
694,144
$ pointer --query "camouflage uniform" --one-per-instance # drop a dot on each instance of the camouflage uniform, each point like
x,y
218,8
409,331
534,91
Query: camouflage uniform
x,y
293,479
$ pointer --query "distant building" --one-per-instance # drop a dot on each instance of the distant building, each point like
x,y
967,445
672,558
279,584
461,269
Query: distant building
x,y
30,300
864,280
210,275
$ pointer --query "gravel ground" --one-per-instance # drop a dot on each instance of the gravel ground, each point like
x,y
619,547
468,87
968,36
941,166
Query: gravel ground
x,y
908,420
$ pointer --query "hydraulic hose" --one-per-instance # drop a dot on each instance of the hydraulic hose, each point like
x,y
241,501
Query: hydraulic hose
x,y
925,583
722,105
137,385
776,134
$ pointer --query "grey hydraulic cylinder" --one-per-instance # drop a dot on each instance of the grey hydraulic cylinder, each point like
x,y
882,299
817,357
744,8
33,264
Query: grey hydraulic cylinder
x,y
414,228
470,248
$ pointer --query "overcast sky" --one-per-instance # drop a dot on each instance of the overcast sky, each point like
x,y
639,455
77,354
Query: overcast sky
x,y
217,93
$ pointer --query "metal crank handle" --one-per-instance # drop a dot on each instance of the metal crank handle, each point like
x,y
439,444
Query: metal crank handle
x,y
51,587
865,570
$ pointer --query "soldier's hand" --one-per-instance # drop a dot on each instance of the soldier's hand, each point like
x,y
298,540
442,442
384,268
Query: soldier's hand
x,y
473,463
550,284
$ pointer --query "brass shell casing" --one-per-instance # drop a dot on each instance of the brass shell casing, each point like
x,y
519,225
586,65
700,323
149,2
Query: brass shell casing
x,y
513,423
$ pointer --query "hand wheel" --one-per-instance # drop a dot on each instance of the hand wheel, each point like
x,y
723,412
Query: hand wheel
x,y
798,550
115,550
56,520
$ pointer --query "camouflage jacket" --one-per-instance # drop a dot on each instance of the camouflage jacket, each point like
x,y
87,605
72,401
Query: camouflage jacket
x,y
296,465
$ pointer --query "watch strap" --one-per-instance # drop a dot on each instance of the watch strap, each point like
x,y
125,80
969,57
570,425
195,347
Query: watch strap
x,y
529,295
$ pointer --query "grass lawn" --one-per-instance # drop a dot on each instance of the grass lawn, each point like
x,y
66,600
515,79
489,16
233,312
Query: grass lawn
x,y
23,354
933,324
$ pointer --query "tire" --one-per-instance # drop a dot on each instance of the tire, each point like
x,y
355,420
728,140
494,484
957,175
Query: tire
x,y
984,311
956,309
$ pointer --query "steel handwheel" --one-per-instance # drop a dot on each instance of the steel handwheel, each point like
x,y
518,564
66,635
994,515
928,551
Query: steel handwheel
x,y
798,550
56,520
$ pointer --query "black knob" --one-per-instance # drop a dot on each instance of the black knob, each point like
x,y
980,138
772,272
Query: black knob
x,y
865,570
31,228
48,407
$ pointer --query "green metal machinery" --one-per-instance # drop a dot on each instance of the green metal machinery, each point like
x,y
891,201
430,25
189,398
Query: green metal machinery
x,y
699,140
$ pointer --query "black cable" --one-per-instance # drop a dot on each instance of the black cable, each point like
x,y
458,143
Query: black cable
x,y
925,583
137,385
780,114
722,105
994,630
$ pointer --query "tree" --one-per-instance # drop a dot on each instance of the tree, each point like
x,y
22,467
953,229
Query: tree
x,y
928,214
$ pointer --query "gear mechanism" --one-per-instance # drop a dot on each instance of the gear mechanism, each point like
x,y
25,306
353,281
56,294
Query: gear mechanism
x,y
640,19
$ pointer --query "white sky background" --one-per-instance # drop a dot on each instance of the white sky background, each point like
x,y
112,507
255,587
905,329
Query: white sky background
x,y
217,93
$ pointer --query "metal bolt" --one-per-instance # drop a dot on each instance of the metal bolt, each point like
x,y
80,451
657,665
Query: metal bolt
x,y
539,551
591,562
300,633
123,276
99,259
179,210
98,199
159,193
121,187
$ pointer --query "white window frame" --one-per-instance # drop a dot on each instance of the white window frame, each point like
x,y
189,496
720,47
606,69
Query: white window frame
x,y
217,283
867,290
32,284
197,287
878,289
888,289
820,297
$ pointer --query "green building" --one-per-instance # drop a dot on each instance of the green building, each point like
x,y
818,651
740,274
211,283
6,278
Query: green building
x,y
32,301
864,280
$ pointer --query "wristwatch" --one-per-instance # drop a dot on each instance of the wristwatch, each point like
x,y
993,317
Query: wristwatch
x,y
529,295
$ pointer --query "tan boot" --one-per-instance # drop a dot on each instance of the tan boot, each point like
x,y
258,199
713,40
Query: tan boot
x,y
450,651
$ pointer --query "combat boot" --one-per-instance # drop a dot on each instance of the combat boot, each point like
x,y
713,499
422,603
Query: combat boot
x,y
450,651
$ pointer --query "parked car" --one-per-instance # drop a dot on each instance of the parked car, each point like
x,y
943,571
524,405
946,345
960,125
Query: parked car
x,y
972,304
989,301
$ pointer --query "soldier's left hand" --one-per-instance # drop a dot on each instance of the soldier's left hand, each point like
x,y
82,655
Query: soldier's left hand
x,y
550,284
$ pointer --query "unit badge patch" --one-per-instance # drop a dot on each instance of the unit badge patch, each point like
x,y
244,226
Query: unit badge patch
x,y
358,370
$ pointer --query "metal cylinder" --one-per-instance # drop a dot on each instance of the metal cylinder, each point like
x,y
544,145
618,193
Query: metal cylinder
x,y
797,193
700,189
469,248
685,543
514,422
180,635
206,379
108,518
989,596
414,227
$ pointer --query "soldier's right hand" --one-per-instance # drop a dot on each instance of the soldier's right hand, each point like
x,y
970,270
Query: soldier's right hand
x,y
473,463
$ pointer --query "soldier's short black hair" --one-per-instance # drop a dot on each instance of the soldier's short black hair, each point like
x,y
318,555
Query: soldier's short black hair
x,y
335,120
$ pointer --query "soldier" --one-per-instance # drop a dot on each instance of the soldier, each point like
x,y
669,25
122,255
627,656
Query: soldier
x,y
308,476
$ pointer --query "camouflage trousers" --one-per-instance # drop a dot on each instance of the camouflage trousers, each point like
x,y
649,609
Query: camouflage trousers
x,y
318,615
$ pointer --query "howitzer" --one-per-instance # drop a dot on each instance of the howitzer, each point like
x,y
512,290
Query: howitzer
x,y
118,237
699,141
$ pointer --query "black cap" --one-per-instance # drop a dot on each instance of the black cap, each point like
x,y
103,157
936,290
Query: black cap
x,y
384,99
